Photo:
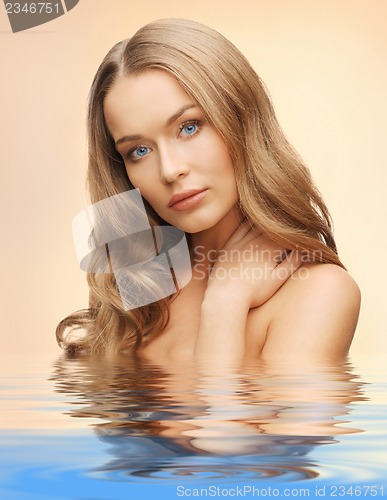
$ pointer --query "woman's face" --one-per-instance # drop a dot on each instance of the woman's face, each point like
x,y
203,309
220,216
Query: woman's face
x,y
170,149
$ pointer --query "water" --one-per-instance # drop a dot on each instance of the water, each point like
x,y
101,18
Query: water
x,y
115,429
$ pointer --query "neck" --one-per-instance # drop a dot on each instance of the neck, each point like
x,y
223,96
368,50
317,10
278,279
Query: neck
x,y
205,245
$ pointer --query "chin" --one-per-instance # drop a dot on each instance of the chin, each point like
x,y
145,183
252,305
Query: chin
x,y
194,228
192,223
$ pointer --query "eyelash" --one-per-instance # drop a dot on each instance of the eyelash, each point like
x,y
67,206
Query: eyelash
x,y
198,123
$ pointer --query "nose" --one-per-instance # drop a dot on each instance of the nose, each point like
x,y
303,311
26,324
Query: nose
x,y
172,163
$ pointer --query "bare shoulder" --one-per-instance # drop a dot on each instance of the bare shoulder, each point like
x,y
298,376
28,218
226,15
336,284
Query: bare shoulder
x,y
324,281
314,313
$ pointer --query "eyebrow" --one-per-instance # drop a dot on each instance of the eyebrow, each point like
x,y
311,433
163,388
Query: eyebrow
x,y
171,119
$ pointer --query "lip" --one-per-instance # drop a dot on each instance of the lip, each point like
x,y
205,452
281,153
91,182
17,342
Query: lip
x,y
186,199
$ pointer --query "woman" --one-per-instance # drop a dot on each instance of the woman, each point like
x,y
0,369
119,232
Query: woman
x,y
178,113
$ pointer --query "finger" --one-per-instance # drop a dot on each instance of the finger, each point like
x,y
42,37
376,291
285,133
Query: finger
x,y
286,268
281,255
276,276
243,228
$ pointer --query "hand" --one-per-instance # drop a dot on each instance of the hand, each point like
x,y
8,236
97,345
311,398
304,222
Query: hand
x,y
249,270
251,266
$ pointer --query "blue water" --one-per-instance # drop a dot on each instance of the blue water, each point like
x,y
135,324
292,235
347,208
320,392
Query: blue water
x,y
117,429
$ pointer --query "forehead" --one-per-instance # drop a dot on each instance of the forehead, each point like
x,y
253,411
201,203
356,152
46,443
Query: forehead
x,y
153,92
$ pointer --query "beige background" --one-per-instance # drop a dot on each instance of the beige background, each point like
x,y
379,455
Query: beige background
x,y
324,62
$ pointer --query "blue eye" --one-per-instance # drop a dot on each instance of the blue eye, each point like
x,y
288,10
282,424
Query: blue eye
x,y
137,153
190,128
142,151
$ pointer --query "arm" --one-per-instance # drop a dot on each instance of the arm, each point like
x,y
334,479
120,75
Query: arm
x,y
248,278
221,337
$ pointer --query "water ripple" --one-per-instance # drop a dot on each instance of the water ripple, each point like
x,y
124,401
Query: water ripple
x,y
138,422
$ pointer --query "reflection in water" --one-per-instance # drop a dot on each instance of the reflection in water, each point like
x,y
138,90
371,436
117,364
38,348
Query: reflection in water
x,y
183,421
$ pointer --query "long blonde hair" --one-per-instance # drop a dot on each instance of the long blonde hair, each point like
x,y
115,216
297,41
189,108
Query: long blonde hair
x,y
276,192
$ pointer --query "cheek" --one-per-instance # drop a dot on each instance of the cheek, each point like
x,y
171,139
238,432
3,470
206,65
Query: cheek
x,y
147,189
130,177
221,158
136,180
225,168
